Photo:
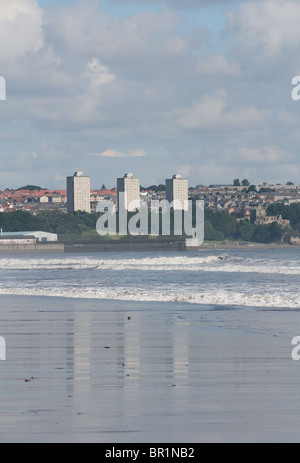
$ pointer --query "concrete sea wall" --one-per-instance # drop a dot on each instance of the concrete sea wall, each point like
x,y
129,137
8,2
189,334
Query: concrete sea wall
x,y
30,248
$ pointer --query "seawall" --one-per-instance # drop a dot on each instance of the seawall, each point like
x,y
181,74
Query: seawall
x,y
126,247
6,248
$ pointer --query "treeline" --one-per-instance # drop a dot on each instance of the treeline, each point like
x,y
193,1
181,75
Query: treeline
x,y
219,225
291,213
65,225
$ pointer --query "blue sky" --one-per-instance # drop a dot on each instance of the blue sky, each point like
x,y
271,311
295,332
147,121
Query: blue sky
x,y
155,87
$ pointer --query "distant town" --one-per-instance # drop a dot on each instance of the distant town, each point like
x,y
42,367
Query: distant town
x,y
241,200
32,217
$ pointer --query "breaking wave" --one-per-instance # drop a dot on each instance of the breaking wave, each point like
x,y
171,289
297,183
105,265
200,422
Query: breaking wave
x,y
93,263
227,298
220,263
235,280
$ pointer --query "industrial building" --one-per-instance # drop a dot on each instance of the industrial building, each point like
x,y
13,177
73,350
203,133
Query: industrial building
x,y
36,236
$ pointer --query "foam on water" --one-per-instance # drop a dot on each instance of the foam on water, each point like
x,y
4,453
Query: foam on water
x,y
231,298
236,280
221,263
93,262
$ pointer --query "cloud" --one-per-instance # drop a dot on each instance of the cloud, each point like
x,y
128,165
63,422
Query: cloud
x,y
178,3
216,64
87,104
268,24
80,80
98,74
21,29
258,156
118,154
214,112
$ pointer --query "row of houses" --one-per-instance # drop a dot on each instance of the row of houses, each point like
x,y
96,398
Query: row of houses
x,y
36,201
248,203
243,203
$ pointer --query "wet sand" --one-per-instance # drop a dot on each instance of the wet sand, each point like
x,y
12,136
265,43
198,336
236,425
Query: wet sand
x,y
118,372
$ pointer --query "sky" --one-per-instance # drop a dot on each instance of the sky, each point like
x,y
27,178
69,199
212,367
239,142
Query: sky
x,y
153,87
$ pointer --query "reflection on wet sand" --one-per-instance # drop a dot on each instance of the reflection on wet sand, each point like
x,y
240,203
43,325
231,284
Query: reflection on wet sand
x,y
100,371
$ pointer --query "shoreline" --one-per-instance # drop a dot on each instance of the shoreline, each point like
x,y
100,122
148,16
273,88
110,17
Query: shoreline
x,y
128,304
121,304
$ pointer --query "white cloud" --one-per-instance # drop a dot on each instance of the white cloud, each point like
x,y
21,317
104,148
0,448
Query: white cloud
x,y
213,112
83,80
179,3
98,74
21,23
268,24
216,64
111,153
87,105
258,156
143,44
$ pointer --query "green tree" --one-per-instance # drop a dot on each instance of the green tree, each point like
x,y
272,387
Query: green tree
x,y
30,188
156,188
210,234
268,233
244,231
222,222
245,182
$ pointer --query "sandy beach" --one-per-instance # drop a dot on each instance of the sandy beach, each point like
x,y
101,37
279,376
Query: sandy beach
x,y
118,372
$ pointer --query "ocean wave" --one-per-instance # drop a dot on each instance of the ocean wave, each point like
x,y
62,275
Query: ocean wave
x,y
118,264
212,263
217,298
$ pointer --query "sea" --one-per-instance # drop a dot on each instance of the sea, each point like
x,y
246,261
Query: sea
x,y
155,347
261,278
